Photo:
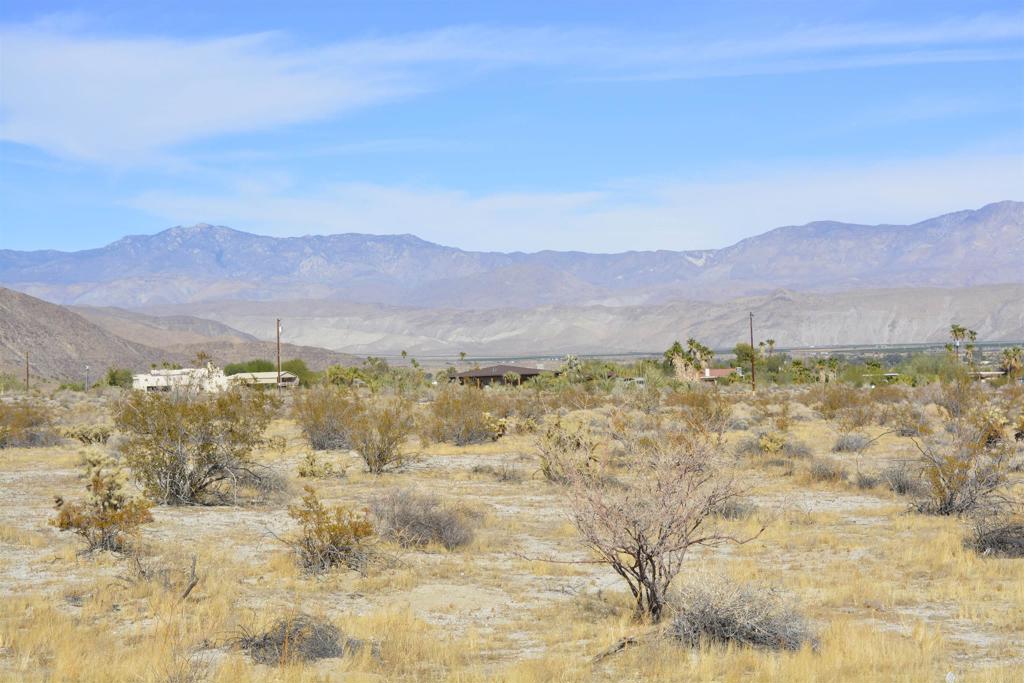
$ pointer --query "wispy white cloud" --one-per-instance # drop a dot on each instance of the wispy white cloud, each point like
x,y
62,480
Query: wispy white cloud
x,y
637,214
122,100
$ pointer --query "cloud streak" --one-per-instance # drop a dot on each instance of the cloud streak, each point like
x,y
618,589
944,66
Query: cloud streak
x,y
124,101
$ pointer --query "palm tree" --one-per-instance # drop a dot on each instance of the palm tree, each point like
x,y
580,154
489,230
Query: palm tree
x,y
972,337
771,346
1013,361
958,333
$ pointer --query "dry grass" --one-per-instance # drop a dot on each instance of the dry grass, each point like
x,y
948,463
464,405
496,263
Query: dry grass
x,y
892,595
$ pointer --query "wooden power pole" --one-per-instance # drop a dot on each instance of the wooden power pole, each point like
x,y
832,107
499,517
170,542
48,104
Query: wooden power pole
x,y
26,372
753,375
279,354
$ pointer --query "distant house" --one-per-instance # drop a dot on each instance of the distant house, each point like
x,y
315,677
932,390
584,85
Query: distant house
x,y
498,374
209,379
265,379
715,374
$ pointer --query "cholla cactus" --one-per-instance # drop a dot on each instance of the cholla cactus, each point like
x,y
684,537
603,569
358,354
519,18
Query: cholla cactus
x,y
109,513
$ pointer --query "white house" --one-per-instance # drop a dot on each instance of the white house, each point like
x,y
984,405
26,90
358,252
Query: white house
x,y
210,379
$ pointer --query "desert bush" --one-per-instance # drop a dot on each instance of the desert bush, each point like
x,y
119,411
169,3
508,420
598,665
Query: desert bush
x,y
736,614
330,537
964,470
504,472
299,638
832,400
315,467
901,480
560,447
827,471
379,432
88,434
24,424
460,415
186,449
325,415
998,536
851,442
418,519
110,514
735,509
865,481
118,377
772,444
642,527
909,420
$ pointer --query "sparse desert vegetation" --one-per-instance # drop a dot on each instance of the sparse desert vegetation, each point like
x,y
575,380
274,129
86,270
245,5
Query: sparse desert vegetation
x,y
571,528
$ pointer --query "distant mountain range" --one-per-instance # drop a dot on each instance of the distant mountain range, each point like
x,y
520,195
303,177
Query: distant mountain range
x,y
206,263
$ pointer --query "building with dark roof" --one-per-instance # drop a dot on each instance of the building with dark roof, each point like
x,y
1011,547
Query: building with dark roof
x,y
499,374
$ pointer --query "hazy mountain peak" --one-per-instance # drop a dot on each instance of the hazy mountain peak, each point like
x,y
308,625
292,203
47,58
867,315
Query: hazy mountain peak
x,y
206,262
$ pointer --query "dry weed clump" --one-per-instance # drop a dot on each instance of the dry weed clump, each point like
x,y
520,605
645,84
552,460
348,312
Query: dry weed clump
x,y
187,449
901,480
325,415
998,536
379,432
330,537
299,638
418,519
505,472
110,514
24,424
827,471
851,442
462,416
738,614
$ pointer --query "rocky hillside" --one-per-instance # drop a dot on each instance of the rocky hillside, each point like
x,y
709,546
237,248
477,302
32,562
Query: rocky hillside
x,y
61,343
207,263
793,319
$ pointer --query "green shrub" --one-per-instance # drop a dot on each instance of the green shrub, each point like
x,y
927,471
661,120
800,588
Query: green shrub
x,y
186,449
26,425
460,415
325,415
118,377
379,432
330,537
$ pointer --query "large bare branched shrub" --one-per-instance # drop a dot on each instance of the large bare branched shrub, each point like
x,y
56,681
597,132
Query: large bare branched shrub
x,y
329,537
741,614
418,519
190,448
325,415
110,514
379,433
644,525
966,467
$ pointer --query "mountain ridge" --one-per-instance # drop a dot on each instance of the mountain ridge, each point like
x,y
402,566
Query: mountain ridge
x,y
209,263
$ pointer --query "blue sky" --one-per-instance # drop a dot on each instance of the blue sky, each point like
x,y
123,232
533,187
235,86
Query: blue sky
x,y
506,126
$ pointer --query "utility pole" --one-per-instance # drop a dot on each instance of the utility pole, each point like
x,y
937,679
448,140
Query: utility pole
x,y
753,376
26,372
278,354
